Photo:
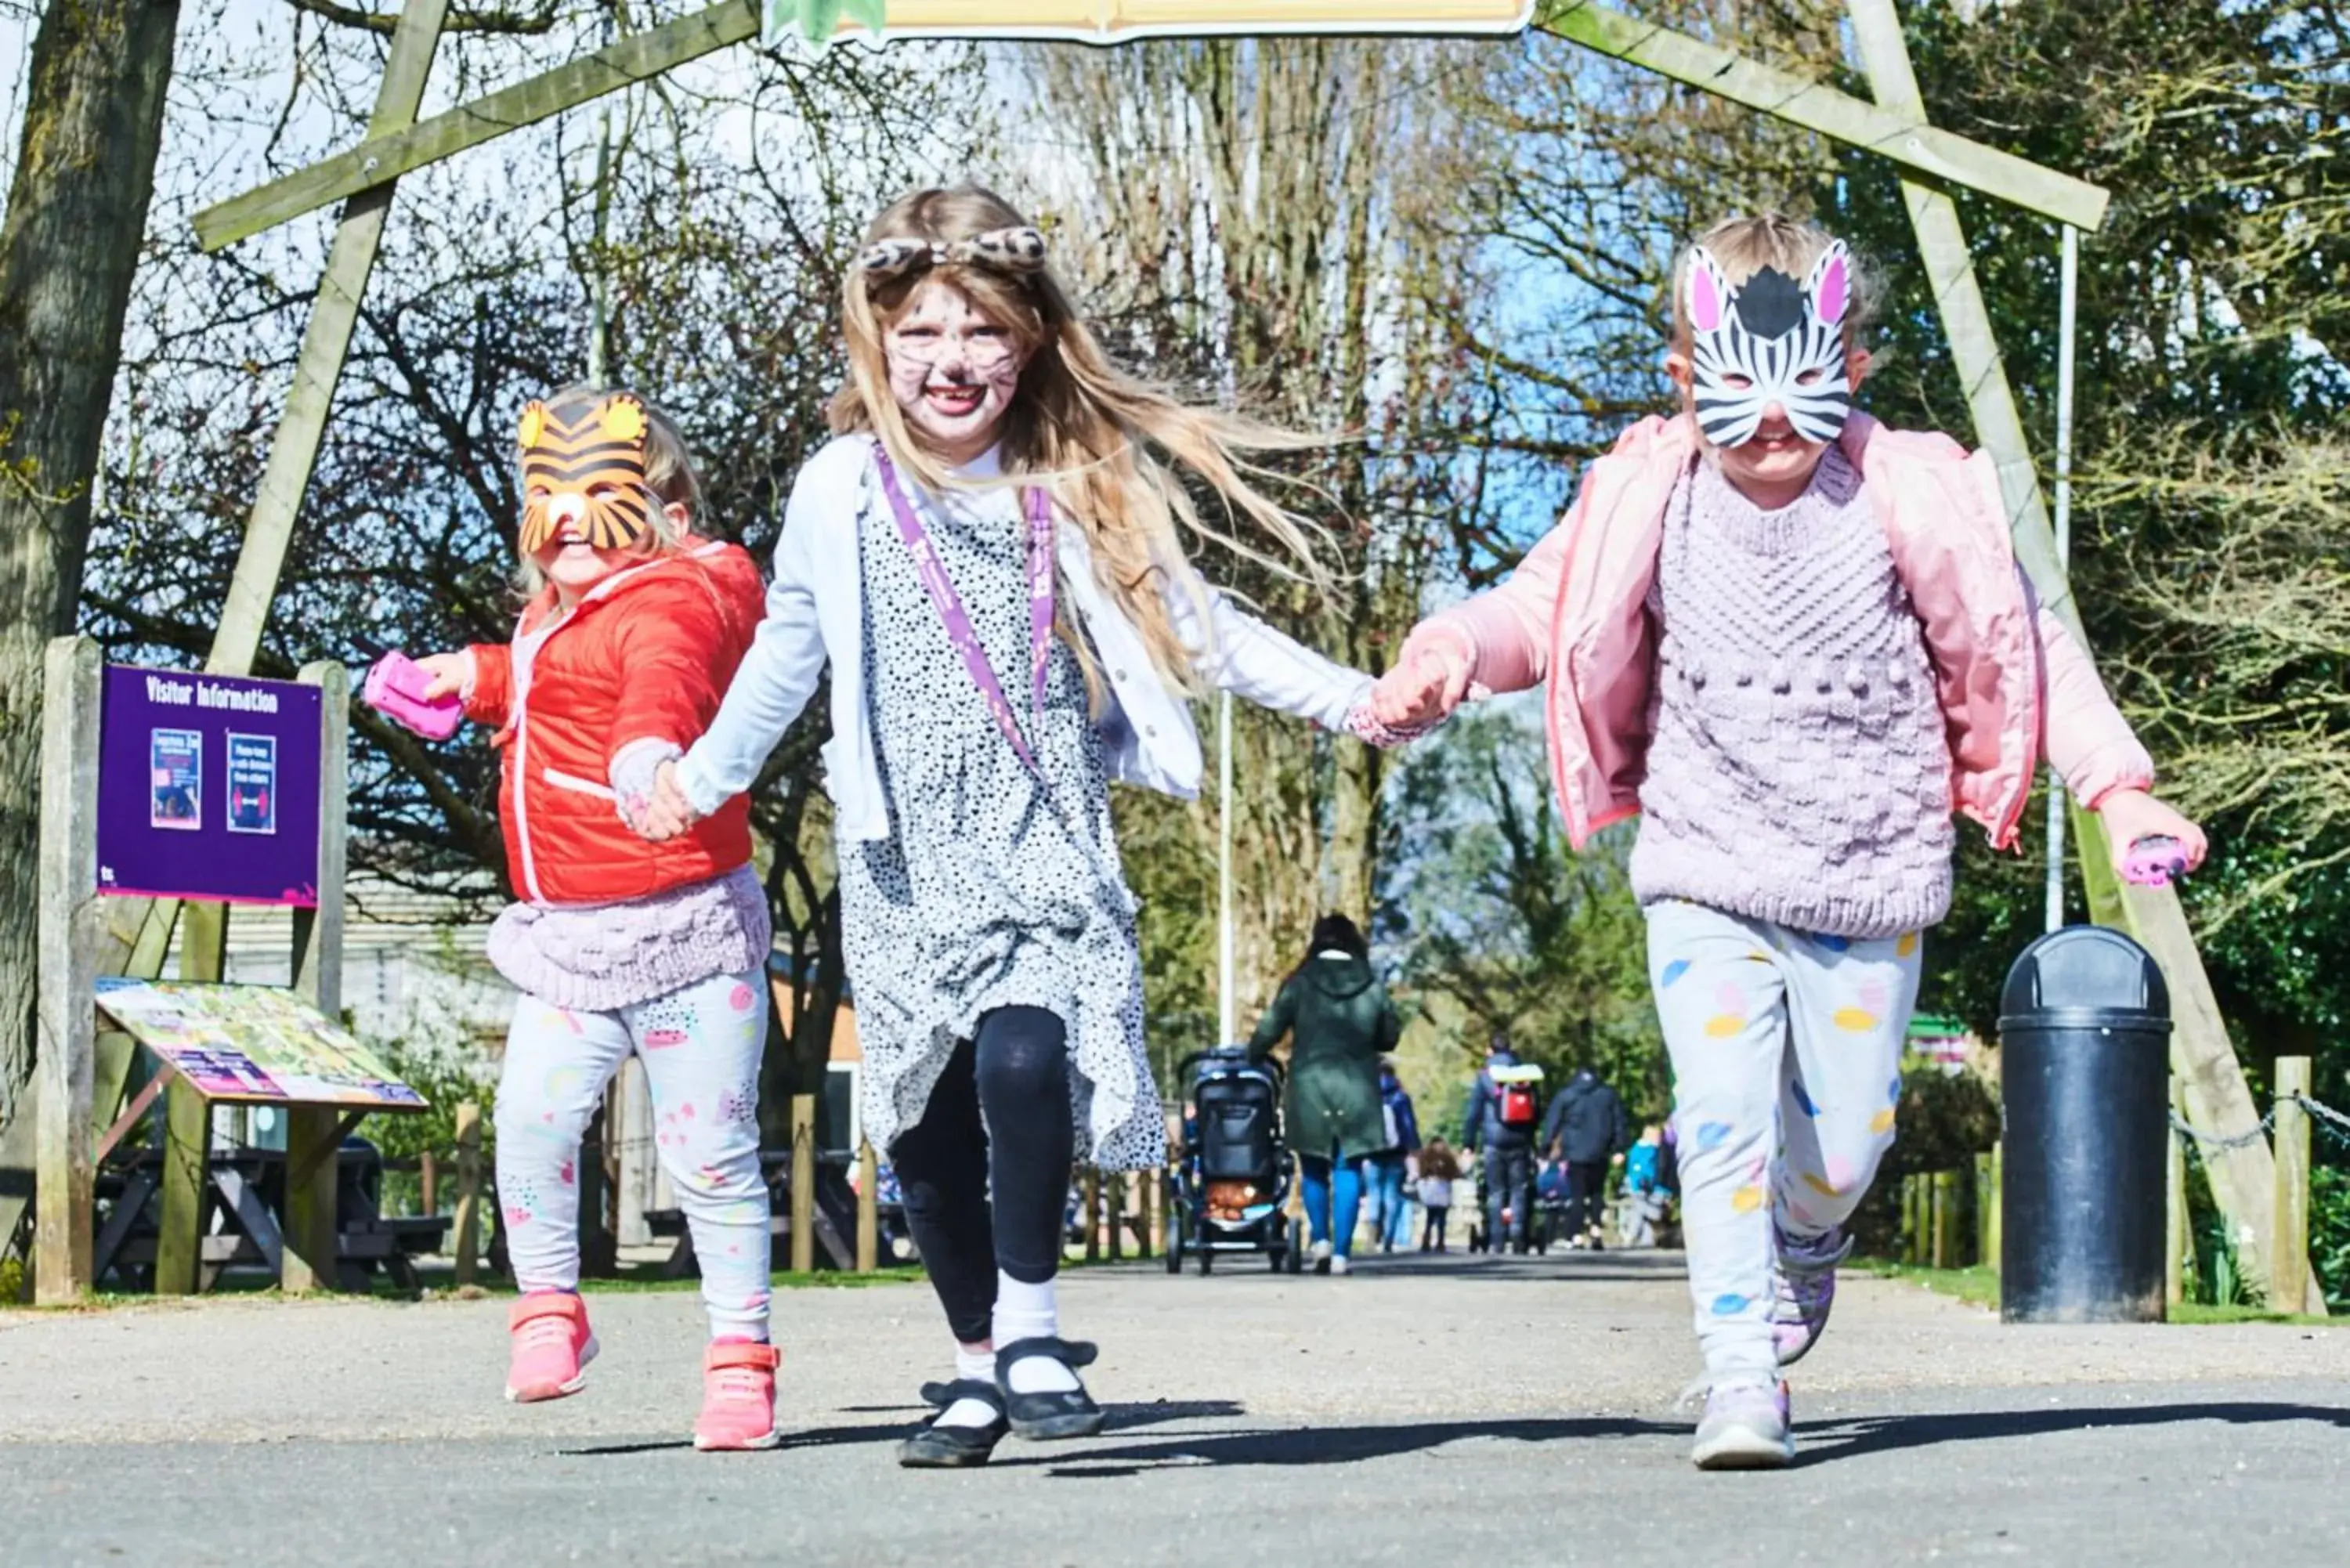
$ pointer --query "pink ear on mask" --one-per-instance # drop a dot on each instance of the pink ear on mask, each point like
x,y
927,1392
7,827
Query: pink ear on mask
x,y
1832,285
1706,292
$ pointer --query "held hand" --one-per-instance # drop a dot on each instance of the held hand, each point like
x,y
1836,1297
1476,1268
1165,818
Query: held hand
x,y
1425,687
669,812
451,673
2128,816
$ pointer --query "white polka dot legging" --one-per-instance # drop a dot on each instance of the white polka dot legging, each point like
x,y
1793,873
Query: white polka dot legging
x,y
700,1046
1786,1052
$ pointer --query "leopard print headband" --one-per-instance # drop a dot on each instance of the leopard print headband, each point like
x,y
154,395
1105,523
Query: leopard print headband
x,y
1018,251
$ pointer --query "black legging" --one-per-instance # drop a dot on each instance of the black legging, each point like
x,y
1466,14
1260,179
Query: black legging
x,y
1586,1195
1014,1078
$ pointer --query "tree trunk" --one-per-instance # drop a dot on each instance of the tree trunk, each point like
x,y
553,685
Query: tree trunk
x,y
76,213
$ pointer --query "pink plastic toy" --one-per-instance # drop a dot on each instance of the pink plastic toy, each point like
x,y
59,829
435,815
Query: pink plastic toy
x,y
395,688
2155,862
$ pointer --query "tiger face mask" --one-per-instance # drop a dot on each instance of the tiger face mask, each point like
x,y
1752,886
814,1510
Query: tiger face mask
x,y
593,451
1769,340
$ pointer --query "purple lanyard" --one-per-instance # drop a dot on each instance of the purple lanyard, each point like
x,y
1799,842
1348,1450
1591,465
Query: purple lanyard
x,y
1038,507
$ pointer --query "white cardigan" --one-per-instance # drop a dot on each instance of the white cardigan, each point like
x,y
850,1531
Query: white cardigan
x,y
815,614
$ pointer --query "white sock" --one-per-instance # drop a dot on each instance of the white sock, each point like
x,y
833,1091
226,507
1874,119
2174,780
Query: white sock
x,y
977,1362
1024,1311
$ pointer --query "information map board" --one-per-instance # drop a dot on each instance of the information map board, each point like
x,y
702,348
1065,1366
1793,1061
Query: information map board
x,y
254,1045
208,787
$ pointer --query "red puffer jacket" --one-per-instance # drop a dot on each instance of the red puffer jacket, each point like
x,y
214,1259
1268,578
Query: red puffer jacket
x,y
646,654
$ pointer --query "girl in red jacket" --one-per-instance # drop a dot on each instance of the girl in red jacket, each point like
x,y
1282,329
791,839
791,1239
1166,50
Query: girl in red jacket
x,y
633,628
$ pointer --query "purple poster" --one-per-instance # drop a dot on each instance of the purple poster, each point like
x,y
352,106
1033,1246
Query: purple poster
x,y
208,787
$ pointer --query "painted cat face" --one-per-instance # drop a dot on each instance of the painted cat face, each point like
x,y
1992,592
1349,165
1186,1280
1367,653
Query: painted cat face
x,y
583,464
1770,340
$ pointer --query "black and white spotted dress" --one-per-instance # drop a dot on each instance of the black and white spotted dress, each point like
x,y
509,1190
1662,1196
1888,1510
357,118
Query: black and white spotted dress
x,y
985,896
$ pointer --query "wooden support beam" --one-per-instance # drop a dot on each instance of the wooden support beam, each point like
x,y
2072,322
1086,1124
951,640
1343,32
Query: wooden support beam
x,y
1892,129
803,1192
868,1210
294,447
2293,1287
65,1063
188,1121
312,1132
393,149
1931,153
2243,1179
2178,1231
468,1217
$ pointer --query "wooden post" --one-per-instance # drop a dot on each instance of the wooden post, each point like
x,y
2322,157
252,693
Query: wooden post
x,y
2289,1288
469,1191
868,1209
66,1020
2243,1179
1946,1219
428,1180
1982,1209
802,1183
640,1170
1996,1214
1117,1217
2178,1236
1154,1198
1092,1210
187,1118
312,1132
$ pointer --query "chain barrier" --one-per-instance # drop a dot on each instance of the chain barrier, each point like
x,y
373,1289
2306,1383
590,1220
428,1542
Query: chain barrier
x,y
2334,1124
2325,1119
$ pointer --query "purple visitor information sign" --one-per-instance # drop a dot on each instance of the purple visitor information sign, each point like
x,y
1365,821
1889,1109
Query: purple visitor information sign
x,y
208,787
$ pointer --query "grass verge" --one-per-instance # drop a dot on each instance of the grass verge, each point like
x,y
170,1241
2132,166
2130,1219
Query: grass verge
x,y
1979,1286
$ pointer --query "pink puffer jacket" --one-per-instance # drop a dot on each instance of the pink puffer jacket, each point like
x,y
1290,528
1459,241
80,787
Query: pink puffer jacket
x,y
2011,678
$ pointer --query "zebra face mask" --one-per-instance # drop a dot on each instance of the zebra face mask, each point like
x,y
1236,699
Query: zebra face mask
x,y
1770,340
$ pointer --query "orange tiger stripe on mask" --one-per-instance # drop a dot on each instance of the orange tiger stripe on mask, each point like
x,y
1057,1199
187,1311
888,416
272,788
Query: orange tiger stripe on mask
x,y
582,449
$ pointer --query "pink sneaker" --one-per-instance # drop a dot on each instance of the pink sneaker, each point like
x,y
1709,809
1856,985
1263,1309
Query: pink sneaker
x,y
552,1347
738,1397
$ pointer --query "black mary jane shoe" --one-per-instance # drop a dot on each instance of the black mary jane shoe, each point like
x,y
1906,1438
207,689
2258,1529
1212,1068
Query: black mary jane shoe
x,y
936,1448
1063,1412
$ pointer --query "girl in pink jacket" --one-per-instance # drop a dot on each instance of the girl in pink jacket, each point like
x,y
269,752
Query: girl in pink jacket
x,y
1794,641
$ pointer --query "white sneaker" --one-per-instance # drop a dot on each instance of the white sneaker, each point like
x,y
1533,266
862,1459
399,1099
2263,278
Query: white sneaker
x,y
1338,1265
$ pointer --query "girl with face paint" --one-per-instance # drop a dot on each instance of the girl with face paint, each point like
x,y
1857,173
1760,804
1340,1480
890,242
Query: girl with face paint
x,y
1793,642
631,627
989,560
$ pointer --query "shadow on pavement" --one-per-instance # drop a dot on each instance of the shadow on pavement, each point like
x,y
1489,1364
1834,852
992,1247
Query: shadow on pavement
x,y
1325,1445
1121,1419
1826,1442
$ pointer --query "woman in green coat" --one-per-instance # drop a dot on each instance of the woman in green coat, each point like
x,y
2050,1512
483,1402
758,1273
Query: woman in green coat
x,y
1340,1022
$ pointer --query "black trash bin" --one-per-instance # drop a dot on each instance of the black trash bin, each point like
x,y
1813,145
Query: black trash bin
x,y
2084,1082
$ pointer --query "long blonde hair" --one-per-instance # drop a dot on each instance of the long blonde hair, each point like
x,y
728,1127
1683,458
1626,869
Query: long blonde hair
x,y
1077,423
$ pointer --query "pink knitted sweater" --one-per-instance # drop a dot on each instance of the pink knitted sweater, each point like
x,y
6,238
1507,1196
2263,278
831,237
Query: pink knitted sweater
x,y
1797,771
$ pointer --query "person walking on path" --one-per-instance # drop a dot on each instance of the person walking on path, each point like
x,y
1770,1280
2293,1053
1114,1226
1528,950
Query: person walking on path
x,y
1340,1022
989,557
1388,1167
1438,1169
1793,642
1586,1128
1500,1120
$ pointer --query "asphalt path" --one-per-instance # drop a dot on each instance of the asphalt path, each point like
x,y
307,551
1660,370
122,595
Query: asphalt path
x,y
1423,1411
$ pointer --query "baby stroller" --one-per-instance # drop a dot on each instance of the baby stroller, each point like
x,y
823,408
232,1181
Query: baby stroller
x,y
1231,1176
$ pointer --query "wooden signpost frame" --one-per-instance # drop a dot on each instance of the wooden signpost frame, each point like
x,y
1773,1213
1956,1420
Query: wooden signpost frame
x,y
1894,126
81,1074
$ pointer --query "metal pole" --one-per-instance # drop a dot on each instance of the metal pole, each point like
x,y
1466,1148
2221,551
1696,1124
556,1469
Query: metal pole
x,y
1227,998
2064,529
